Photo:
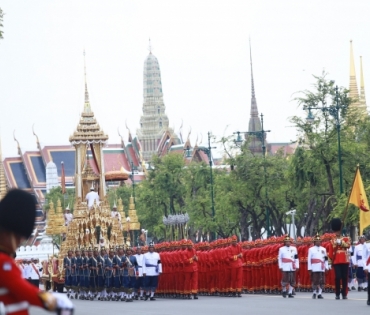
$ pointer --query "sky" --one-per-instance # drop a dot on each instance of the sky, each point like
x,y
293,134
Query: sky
x,y
203,51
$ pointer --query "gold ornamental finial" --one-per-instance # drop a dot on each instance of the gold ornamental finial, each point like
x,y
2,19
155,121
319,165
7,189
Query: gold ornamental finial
x,y
18,146
37,138
87,107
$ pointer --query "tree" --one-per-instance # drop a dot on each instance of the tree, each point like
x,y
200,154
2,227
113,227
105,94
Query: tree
x,y
55,194
314,170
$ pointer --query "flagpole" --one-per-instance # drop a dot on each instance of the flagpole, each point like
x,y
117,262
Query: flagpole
x,y
349,196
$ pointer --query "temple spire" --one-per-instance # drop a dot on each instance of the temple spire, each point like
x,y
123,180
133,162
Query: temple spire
x,y
252,79
362,87
150,46
2,175
254,120
353,88
87,108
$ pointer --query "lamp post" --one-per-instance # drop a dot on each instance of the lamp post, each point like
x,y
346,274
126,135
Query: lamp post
x,y
208,151
261,135
334,111
133,181
292,213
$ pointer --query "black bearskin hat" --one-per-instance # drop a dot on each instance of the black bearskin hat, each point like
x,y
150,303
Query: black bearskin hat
x,y
336,224
18,212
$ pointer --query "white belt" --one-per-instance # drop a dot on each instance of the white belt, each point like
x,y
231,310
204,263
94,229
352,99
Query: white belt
x,y
4,291
16,307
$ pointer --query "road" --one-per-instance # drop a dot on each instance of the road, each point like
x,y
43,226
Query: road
x,y
257,304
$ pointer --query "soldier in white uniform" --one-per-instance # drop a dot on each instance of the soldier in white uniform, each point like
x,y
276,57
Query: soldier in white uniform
x,y
35,273
27,270
366,256
360,262
288,264
139,285
317,264
152,268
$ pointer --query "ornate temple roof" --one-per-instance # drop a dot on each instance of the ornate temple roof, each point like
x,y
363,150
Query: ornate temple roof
x,y
88,130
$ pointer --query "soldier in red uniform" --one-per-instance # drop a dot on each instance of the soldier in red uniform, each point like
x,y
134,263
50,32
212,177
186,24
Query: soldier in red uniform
x,y
17,217
235,256
338,257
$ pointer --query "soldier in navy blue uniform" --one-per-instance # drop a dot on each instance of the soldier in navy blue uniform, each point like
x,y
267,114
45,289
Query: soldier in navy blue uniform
x,y
132,270
79,279
101,280
93,267
76,264
85,276
109,274
116,277
122,256
67,262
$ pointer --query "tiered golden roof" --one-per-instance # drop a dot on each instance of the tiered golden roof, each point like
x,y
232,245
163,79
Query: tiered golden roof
x,y
88,130
56,222
134,221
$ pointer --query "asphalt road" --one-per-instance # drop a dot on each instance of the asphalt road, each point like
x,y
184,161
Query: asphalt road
x,y
302,304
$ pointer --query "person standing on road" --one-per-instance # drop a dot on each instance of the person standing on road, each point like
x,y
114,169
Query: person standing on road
x,y
317,263
152,268
359,263
339,258
288,264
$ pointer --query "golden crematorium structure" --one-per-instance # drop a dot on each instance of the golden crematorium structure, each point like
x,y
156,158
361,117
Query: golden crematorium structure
x,y
89,225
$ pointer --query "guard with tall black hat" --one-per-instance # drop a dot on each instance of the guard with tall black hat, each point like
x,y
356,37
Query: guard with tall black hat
x,y
339,258
17,217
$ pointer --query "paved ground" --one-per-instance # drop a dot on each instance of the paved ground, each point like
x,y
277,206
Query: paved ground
x,y
302,304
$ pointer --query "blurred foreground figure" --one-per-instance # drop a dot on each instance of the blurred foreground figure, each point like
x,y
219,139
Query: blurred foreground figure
x,y
17,217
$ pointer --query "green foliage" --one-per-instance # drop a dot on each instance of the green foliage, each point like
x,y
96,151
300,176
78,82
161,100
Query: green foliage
x,y
55,194
258,190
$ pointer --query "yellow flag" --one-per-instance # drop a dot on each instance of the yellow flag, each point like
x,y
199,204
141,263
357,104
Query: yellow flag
x,y
359,199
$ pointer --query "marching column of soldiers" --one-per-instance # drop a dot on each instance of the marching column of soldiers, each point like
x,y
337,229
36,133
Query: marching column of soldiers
x,y
224,267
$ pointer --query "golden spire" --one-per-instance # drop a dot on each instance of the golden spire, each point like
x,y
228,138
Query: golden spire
x,y
2,175
353,89
362,88
87,108
88,130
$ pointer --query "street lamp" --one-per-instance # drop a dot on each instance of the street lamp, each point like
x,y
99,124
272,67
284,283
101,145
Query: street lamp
x,y
207,151
292,213
260,135
334,111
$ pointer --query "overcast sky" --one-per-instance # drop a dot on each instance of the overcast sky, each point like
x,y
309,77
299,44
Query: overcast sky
x,y
203,51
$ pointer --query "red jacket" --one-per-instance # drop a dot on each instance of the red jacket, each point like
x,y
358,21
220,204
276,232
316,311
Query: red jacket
x,y
338,253
233,253
16,293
